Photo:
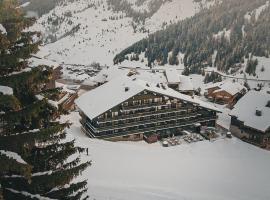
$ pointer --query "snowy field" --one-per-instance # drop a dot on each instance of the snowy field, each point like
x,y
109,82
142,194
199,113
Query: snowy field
x,y
220,170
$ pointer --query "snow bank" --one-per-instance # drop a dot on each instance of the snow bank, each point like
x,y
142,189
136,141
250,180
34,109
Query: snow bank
x,y
6,90
220,170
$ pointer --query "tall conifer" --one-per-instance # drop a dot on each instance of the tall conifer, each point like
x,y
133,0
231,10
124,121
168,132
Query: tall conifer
x,y
36,159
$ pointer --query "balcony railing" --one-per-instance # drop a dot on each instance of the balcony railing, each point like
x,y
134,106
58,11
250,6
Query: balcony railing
x,y
156,128
141,114
143,105
149,121
134,115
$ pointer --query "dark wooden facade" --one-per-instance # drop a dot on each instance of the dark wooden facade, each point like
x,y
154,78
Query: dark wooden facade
x,y
249,134
223,97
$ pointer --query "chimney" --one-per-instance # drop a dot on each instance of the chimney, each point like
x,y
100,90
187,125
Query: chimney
x,y
258,113
268,104
126,89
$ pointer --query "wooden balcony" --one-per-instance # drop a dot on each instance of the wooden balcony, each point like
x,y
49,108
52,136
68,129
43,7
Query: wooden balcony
x,y
141,114
153,120
137,130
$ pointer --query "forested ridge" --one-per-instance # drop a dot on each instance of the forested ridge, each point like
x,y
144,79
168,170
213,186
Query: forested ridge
x,y
36,159
138,16
232,30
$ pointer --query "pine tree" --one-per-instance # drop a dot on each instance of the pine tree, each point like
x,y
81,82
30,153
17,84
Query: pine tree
x,y
35,157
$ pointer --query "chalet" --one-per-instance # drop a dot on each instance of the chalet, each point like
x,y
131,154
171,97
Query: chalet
x,y
179,82
129,109
225,92
173,78
185,85
250,118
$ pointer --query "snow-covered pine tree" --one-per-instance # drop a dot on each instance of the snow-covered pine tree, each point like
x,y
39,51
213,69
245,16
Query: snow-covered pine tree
x,y
36,159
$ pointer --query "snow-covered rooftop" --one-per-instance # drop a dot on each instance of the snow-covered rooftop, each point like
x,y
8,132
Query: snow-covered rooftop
x,y
212,85
227,86
116,91
245,110
172,76
231,87
185,83
5,90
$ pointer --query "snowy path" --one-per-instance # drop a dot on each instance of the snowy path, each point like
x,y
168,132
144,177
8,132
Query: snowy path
x,y
225,169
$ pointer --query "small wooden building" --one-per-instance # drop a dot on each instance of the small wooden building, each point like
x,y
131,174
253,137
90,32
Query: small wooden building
x,y
225,92
173,79
179,82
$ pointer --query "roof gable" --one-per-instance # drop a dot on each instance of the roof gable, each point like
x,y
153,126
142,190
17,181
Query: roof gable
x,y
245,110
116,91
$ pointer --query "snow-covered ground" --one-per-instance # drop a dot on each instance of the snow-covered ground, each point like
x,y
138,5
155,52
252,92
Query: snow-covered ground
x,y
6,90
220,170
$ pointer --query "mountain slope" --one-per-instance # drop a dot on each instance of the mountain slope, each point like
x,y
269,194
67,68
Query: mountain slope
x,y
85,31
227,36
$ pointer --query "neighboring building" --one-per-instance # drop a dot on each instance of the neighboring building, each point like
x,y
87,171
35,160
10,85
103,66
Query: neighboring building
x,y
226,92
250,118
173,78
179,82
185,85
129,109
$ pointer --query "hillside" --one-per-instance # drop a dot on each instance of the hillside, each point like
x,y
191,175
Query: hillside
x,y
86,31
231,36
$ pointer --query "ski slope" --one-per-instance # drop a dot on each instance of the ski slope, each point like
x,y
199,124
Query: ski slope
x,y
99,37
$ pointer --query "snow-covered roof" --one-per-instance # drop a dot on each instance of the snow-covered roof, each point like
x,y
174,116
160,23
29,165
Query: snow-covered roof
x,y
185,83
3,30
227,86
172,76
231,87
245,110
5,90
116,91
213,85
